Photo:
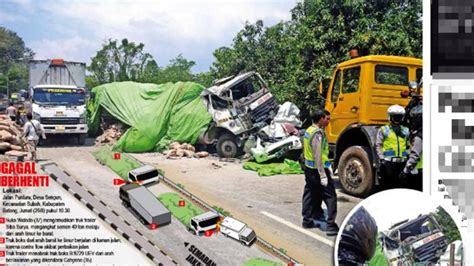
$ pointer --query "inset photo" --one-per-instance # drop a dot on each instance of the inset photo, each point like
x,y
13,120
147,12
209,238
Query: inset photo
x,y
399,227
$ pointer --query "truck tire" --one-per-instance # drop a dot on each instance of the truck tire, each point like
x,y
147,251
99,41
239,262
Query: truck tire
x,y
81,139
227,146
355,171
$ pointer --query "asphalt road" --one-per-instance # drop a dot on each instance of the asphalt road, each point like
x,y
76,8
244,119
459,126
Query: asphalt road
x,y
81,165
271,205
108,215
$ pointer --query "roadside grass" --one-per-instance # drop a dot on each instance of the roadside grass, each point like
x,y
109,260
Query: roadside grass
x,y
184,214
261,262
121,166
221,211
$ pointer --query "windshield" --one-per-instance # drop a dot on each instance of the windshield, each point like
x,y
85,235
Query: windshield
x,y
59,96
206,223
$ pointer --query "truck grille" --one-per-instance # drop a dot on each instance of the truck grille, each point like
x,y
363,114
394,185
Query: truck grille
x,y
59,120
265,112
431,252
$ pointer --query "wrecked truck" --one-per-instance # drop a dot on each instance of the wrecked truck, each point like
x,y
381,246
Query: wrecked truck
x,y
245,114
420,240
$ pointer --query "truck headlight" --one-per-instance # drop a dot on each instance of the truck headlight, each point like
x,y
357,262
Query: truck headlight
x,y
36,116
82,118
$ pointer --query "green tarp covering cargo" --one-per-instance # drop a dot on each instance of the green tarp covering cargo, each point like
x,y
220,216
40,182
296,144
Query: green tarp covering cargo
x,y
287,167
156,114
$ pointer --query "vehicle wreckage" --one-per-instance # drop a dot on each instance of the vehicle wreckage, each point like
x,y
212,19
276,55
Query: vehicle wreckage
x,y
418,240
246,117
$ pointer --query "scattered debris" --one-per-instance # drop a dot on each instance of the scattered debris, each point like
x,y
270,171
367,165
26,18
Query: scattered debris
x,y
216,166
177,150
110,135
10,137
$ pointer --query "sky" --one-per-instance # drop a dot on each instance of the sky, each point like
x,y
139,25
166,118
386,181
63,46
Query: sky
x,y
395,205
76,29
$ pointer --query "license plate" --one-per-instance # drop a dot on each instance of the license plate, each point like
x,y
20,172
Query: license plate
x,y
59,113
60,128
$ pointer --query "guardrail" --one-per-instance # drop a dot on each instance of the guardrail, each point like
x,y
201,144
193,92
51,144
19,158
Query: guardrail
x,y
196,199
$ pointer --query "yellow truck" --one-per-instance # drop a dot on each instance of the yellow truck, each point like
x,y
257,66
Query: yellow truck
x,y
358,96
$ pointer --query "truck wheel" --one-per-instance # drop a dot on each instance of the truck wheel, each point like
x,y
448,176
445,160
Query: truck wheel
x,y
227,146
355,171
81,139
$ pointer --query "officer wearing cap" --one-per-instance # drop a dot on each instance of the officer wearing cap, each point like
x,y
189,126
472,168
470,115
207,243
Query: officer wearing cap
x,y
319,185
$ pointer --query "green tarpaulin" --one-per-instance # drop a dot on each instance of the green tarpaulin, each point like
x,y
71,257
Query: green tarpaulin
x,y
156,114
379,258
266,169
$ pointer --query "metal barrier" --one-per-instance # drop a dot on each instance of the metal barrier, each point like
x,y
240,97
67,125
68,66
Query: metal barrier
x,y
183,191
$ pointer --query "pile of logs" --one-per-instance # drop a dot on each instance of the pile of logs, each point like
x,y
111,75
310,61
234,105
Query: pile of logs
x,y
177,150
11,142
110,136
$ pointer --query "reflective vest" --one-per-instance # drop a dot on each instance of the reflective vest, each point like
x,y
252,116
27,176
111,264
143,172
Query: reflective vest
x,y
308,149
394,145
419,165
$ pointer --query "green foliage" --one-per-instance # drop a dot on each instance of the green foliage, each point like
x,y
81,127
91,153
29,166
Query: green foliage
x,y
261,262
297,55
450,230
221,211
120,61
282,250
183,213
179,69
121,167
127,61
14,57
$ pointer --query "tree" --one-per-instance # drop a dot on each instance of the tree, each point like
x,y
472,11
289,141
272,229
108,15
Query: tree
x,y
449,228
179,69
14,57
120,61
297,55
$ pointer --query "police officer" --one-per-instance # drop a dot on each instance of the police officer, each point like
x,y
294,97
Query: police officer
x,y
391,144
414,166
319,185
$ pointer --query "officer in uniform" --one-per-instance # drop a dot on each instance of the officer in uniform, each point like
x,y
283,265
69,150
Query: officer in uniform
x,y
392,143
319,185
414,166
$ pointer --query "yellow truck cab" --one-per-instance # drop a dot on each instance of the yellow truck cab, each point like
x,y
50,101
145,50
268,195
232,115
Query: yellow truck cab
x,y
358,96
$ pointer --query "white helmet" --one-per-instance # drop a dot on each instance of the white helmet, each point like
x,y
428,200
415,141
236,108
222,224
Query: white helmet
x,y
396,113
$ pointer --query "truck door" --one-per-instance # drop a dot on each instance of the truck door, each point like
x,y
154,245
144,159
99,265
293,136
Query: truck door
x,y
345,101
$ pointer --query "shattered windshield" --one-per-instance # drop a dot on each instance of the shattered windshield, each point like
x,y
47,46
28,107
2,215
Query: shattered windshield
x,y
416,229
247,87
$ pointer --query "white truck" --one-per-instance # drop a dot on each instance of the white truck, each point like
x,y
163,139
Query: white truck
x,y
58,97
244,110
239,231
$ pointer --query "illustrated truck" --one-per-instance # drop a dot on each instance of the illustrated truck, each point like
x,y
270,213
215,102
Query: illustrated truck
x,y
58,95
239,231
144,204
359,94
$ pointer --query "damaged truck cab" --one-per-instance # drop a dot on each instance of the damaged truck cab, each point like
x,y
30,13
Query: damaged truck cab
x,y
239,106
420,240
358,96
